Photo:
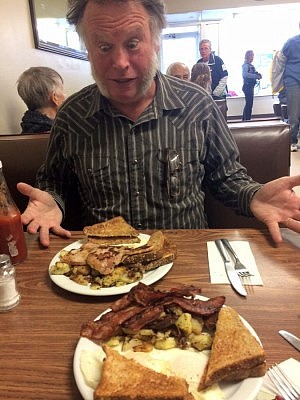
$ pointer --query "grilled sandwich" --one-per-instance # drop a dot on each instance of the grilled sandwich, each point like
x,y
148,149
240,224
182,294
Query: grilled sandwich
x,y
113,231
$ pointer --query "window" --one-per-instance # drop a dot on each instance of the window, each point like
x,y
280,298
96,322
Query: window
x,y
263,29
179,44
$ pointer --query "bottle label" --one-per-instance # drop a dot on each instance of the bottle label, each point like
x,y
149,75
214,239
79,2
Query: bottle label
x,y
12,246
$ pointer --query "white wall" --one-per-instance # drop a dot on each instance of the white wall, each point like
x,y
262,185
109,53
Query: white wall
x,y
18,53
261,105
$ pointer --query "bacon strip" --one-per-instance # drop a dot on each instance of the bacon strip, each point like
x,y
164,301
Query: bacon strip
x,y
109,324
143,305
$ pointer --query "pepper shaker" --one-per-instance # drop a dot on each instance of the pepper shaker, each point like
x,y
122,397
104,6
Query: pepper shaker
x,y
9,295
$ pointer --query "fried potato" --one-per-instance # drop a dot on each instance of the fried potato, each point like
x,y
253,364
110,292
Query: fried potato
x,y
197,325
202,341
166,343
60,268
184,323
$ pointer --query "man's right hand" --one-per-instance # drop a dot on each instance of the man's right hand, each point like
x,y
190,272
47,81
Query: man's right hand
x,y
42,214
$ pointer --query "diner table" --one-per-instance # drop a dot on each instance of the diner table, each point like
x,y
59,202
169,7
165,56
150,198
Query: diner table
x,y
39,336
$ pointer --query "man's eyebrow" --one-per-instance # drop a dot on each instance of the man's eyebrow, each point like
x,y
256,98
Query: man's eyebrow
x,y
136,31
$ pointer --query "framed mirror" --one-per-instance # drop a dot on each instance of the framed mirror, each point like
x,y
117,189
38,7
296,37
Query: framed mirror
x,y
51,30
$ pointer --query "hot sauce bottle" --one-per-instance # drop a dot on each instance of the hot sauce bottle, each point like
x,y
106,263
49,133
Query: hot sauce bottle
x,y
12,239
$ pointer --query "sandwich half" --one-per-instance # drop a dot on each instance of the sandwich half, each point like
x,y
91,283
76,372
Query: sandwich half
x,y
112,231
125,379
235,354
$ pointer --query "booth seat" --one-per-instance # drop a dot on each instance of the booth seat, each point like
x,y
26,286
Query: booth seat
x,y
264,150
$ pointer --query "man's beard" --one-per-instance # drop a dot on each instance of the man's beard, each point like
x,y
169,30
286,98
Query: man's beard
x,y
146,82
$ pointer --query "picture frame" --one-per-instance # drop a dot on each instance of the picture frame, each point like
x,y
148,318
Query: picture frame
x,y
51,30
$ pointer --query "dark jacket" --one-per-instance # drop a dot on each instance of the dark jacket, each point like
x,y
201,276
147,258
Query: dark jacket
x,y
35,122
217,68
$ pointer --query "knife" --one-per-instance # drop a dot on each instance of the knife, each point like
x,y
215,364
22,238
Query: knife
x,y
230,271
292,339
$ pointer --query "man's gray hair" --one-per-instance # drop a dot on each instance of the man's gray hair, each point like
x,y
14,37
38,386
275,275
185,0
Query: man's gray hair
x,y
205,41
154,8
35,86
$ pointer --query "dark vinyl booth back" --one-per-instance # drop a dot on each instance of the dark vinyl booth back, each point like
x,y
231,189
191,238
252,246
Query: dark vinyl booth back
x,y
264,151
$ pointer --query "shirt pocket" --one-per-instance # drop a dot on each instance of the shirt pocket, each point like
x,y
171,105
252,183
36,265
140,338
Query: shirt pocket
x,y
182,172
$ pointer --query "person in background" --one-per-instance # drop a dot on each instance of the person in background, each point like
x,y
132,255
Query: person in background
x,y
219,73
41,89
201,76
291,81
179,70
142,144
250,78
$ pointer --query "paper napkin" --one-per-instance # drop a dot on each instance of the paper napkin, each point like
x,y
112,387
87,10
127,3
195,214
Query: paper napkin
x,y
216,265
291,368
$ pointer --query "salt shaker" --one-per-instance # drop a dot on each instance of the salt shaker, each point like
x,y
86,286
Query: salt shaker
x,y
9,295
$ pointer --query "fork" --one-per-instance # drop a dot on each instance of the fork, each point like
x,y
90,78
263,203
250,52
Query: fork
x,y
283,384
239,266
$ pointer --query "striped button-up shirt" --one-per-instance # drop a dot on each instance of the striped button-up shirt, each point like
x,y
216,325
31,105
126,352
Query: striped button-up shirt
x,y
152,171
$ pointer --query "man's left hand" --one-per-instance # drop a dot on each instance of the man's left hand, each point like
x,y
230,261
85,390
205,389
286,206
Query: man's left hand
x,y
275,203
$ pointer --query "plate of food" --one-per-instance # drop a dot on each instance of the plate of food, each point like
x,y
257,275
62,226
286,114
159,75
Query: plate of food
x,y
198,367
111,265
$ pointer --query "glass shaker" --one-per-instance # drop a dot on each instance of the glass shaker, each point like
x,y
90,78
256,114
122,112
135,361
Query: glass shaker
x,y
9,295
12,239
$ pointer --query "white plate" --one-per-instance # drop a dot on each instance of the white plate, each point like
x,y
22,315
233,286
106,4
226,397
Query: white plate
x,y
246,389
66,283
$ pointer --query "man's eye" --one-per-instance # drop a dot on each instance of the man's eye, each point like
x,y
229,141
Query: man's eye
x,y
133,44
104,47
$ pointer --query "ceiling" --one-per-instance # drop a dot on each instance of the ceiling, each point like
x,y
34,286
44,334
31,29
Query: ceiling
x,y
194,17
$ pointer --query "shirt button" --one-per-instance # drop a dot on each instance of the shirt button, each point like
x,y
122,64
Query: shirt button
x,y
137,193
134,162
139,226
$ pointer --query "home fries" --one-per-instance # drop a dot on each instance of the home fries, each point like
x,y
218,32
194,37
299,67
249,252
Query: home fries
x,y
112,255
175,333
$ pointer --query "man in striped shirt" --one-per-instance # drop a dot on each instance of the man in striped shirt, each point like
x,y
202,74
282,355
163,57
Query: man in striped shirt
x,y
141,144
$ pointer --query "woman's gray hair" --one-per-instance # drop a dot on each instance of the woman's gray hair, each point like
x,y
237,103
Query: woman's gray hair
x,y
35,86
154,8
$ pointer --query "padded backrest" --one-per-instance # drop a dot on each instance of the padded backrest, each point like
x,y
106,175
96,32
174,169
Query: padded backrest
x,y
21,156
265,151
222,104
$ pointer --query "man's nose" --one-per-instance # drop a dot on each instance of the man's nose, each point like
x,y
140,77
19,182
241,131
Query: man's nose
x,y
120,58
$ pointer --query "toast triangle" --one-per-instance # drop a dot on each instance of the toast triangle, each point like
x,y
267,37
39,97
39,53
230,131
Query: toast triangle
x,y
235,354
115,227
125,379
